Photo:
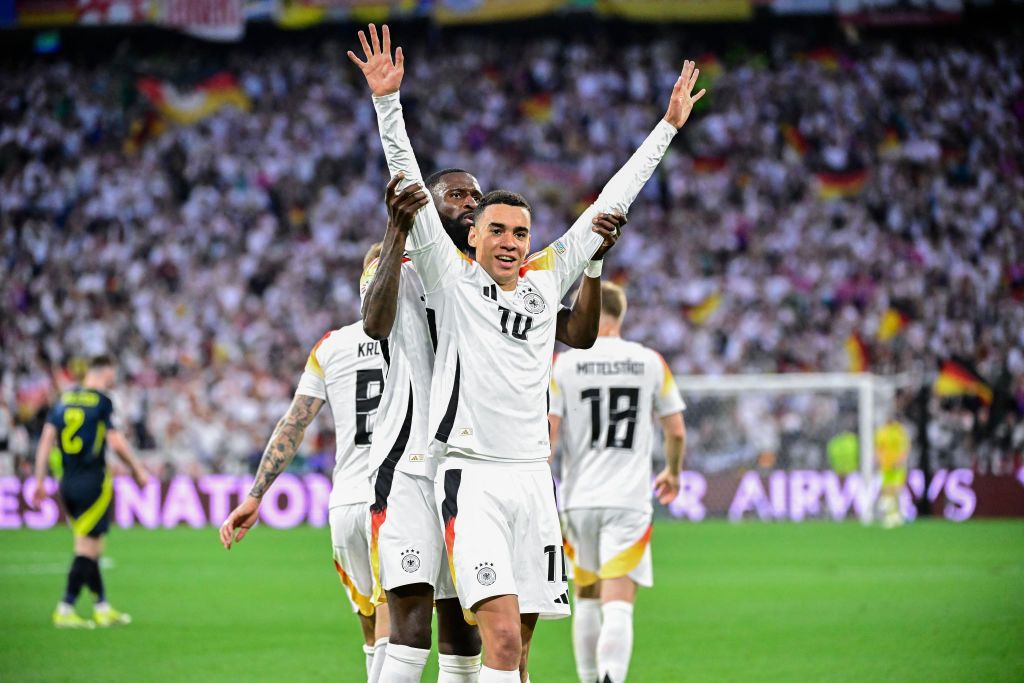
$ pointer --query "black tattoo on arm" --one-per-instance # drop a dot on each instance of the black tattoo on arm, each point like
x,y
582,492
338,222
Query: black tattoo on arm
x,y
284,442
380,305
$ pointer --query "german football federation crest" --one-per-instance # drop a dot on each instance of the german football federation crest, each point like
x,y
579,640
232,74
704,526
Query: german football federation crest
x,y
485,574
411,561
534,303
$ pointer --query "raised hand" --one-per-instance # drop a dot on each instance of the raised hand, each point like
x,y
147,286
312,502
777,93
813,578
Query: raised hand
x,y
383,75
402,207
609,226
681,104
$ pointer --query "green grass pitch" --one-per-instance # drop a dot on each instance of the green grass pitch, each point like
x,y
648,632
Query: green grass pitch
x,y
932,601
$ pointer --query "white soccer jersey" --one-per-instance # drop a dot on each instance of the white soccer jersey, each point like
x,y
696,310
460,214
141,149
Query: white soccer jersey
x,y
607,397
492,366
400,435
344,369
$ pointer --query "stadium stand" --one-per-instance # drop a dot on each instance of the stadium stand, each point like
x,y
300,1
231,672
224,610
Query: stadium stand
x,y
824,193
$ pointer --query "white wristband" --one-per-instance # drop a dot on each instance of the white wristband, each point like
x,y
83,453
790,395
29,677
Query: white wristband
x,y
593,268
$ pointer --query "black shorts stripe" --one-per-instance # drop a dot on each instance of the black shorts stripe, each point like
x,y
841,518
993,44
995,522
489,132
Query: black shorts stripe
x,y
444,430
450,506
386,471
385,351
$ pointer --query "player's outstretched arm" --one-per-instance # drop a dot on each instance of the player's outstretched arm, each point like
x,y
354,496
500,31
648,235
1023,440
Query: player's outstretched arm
x,y
46,440
666,484
579,243
124,451
380,302
577,327
429,246
279,453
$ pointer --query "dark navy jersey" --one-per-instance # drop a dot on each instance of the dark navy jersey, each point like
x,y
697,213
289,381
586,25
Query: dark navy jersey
x,y
82,418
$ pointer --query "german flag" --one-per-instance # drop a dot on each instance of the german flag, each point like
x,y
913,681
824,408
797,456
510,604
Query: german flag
x,y
958,378
794,140
825,57
857,352
46,13
698,314
842,184
890,143
189,107
708,164
893,322
537,108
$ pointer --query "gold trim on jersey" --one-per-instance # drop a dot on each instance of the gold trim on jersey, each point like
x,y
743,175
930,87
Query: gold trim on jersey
x,y
542,260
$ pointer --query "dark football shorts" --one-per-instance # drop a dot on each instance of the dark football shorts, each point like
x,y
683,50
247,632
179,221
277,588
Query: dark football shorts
x,y
87,505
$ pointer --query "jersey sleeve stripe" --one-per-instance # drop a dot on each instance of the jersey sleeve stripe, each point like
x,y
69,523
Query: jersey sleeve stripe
x,y
542,260
668,381
313,363
444,430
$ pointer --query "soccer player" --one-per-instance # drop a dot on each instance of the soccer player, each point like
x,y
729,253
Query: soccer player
x,y
892,446
604,399
345,370
408,547
495,336
80,426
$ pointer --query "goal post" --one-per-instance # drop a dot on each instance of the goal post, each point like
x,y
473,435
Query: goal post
x,y
773,422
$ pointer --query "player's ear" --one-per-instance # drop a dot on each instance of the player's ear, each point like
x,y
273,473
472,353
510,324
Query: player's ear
x,y
472,237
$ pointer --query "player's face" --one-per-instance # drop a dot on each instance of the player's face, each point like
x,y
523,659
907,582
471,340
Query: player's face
x,y
501,237
456,196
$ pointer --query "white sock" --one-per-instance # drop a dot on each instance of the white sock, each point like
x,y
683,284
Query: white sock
x,y
378,660
368,653
101,606
615,645
489,675
586,627
64,608
403,664
458,669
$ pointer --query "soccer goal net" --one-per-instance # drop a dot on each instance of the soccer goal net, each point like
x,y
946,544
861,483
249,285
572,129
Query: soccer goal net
x,y
782,446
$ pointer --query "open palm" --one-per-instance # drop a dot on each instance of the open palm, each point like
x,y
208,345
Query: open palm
x,y
681,104
383,75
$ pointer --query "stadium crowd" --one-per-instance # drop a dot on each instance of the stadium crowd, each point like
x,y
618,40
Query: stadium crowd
x,y
813,192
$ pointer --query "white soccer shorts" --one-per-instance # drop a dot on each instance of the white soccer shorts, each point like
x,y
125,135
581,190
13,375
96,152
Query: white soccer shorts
x,y
350,526
406,542
606,543
502,534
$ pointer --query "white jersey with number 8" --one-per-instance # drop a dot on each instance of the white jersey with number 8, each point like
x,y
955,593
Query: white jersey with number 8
x,y
344,369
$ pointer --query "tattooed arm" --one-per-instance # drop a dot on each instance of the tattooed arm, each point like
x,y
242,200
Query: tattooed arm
x,y
284,442
279,453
